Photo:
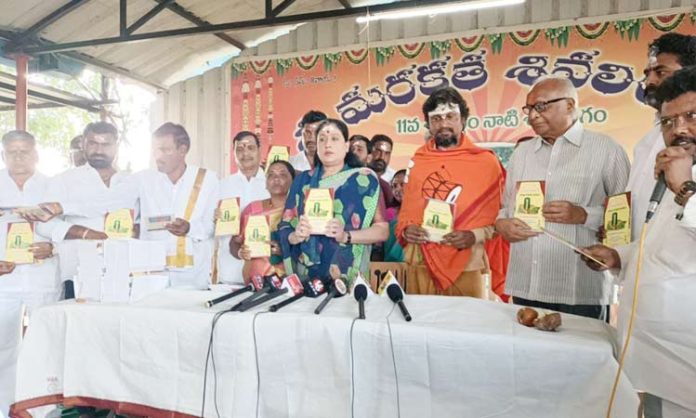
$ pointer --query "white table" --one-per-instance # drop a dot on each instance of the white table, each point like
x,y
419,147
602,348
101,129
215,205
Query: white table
x,y
459,357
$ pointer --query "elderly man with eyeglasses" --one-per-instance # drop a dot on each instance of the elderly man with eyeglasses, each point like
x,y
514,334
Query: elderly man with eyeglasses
x,y
579,168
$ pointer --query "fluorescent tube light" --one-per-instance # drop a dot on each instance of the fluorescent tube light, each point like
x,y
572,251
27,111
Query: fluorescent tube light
x,y
436,10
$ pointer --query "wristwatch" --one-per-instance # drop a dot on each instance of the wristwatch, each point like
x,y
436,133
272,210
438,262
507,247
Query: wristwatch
x,y
349,237
687,189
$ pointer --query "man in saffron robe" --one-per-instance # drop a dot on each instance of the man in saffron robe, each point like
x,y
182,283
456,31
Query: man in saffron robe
x,y
450,168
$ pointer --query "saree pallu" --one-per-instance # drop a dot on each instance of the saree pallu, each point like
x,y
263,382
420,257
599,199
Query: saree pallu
x,y
355,199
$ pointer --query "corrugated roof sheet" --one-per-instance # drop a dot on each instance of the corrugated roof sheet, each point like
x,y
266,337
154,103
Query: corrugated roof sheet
x,y
163,61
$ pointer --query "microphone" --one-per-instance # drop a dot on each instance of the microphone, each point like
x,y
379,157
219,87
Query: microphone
x,y
397,296
249,288
360,294
312,289
656,197
661,185
290,284
338,289
263,286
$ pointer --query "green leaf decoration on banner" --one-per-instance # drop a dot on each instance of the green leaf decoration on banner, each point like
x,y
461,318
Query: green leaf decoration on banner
x,y
524,38
629,28
666,23
239,69
496,41
331,60
383,54
439,48
592,30
283,65
558,36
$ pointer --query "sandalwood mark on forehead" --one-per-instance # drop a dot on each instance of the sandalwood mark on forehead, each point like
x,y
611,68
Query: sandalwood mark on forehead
x,y
443,109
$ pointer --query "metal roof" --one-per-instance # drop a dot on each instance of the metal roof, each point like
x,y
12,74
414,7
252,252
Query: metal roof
x,y
157,62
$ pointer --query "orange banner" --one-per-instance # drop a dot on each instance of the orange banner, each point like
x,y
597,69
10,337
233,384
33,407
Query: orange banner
x,y
381,90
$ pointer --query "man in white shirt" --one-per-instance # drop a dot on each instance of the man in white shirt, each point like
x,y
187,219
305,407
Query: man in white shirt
x,y
304,160
77,154
667,54
185,198
579,168
248,184
80,188
381,150
21,285
661,356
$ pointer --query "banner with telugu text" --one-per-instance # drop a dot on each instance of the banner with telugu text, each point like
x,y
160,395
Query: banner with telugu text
x,y
381,90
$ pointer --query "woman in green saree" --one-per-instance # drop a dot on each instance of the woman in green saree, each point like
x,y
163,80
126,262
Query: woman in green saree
x,y
358,214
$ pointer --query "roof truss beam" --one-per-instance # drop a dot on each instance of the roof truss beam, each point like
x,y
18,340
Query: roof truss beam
x,y
148,16
89,60
84,104
223,27
176,8
52,18
281,7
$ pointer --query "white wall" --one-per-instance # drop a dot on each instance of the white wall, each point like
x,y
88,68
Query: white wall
x,y
202,104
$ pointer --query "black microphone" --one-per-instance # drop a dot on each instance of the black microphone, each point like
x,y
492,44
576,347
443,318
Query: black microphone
x,y
286,302
360,294
262,299
338,289
656,197
269,284
312,289
290,284
397,296
248,288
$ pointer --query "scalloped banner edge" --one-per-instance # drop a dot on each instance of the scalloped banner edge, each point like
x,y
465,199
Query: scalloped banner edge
x,y
521,40
588,31
674,22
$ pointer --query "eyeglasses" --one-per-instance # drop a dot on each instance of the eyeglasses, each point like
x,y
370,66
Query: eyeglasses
x,y
541,107
669,122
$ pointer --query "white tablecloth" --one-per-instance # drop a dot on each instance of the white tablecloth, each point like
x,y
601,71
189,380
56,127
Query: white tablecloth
x,y
459,357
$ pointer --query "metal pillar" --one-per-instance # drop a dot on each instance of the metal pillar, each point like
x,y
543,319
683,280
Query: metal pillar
x,y
21,105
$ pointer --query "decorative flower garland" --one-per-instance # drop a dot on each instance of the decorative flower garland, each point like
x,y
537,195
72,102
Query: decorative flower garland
x,y
524,38
592,30
307,62
411,51
559,37
357,57
667,23
468,44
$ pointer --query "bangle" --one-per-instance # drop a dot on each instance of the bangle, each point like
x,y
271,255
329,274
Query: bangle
x,y
84,234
